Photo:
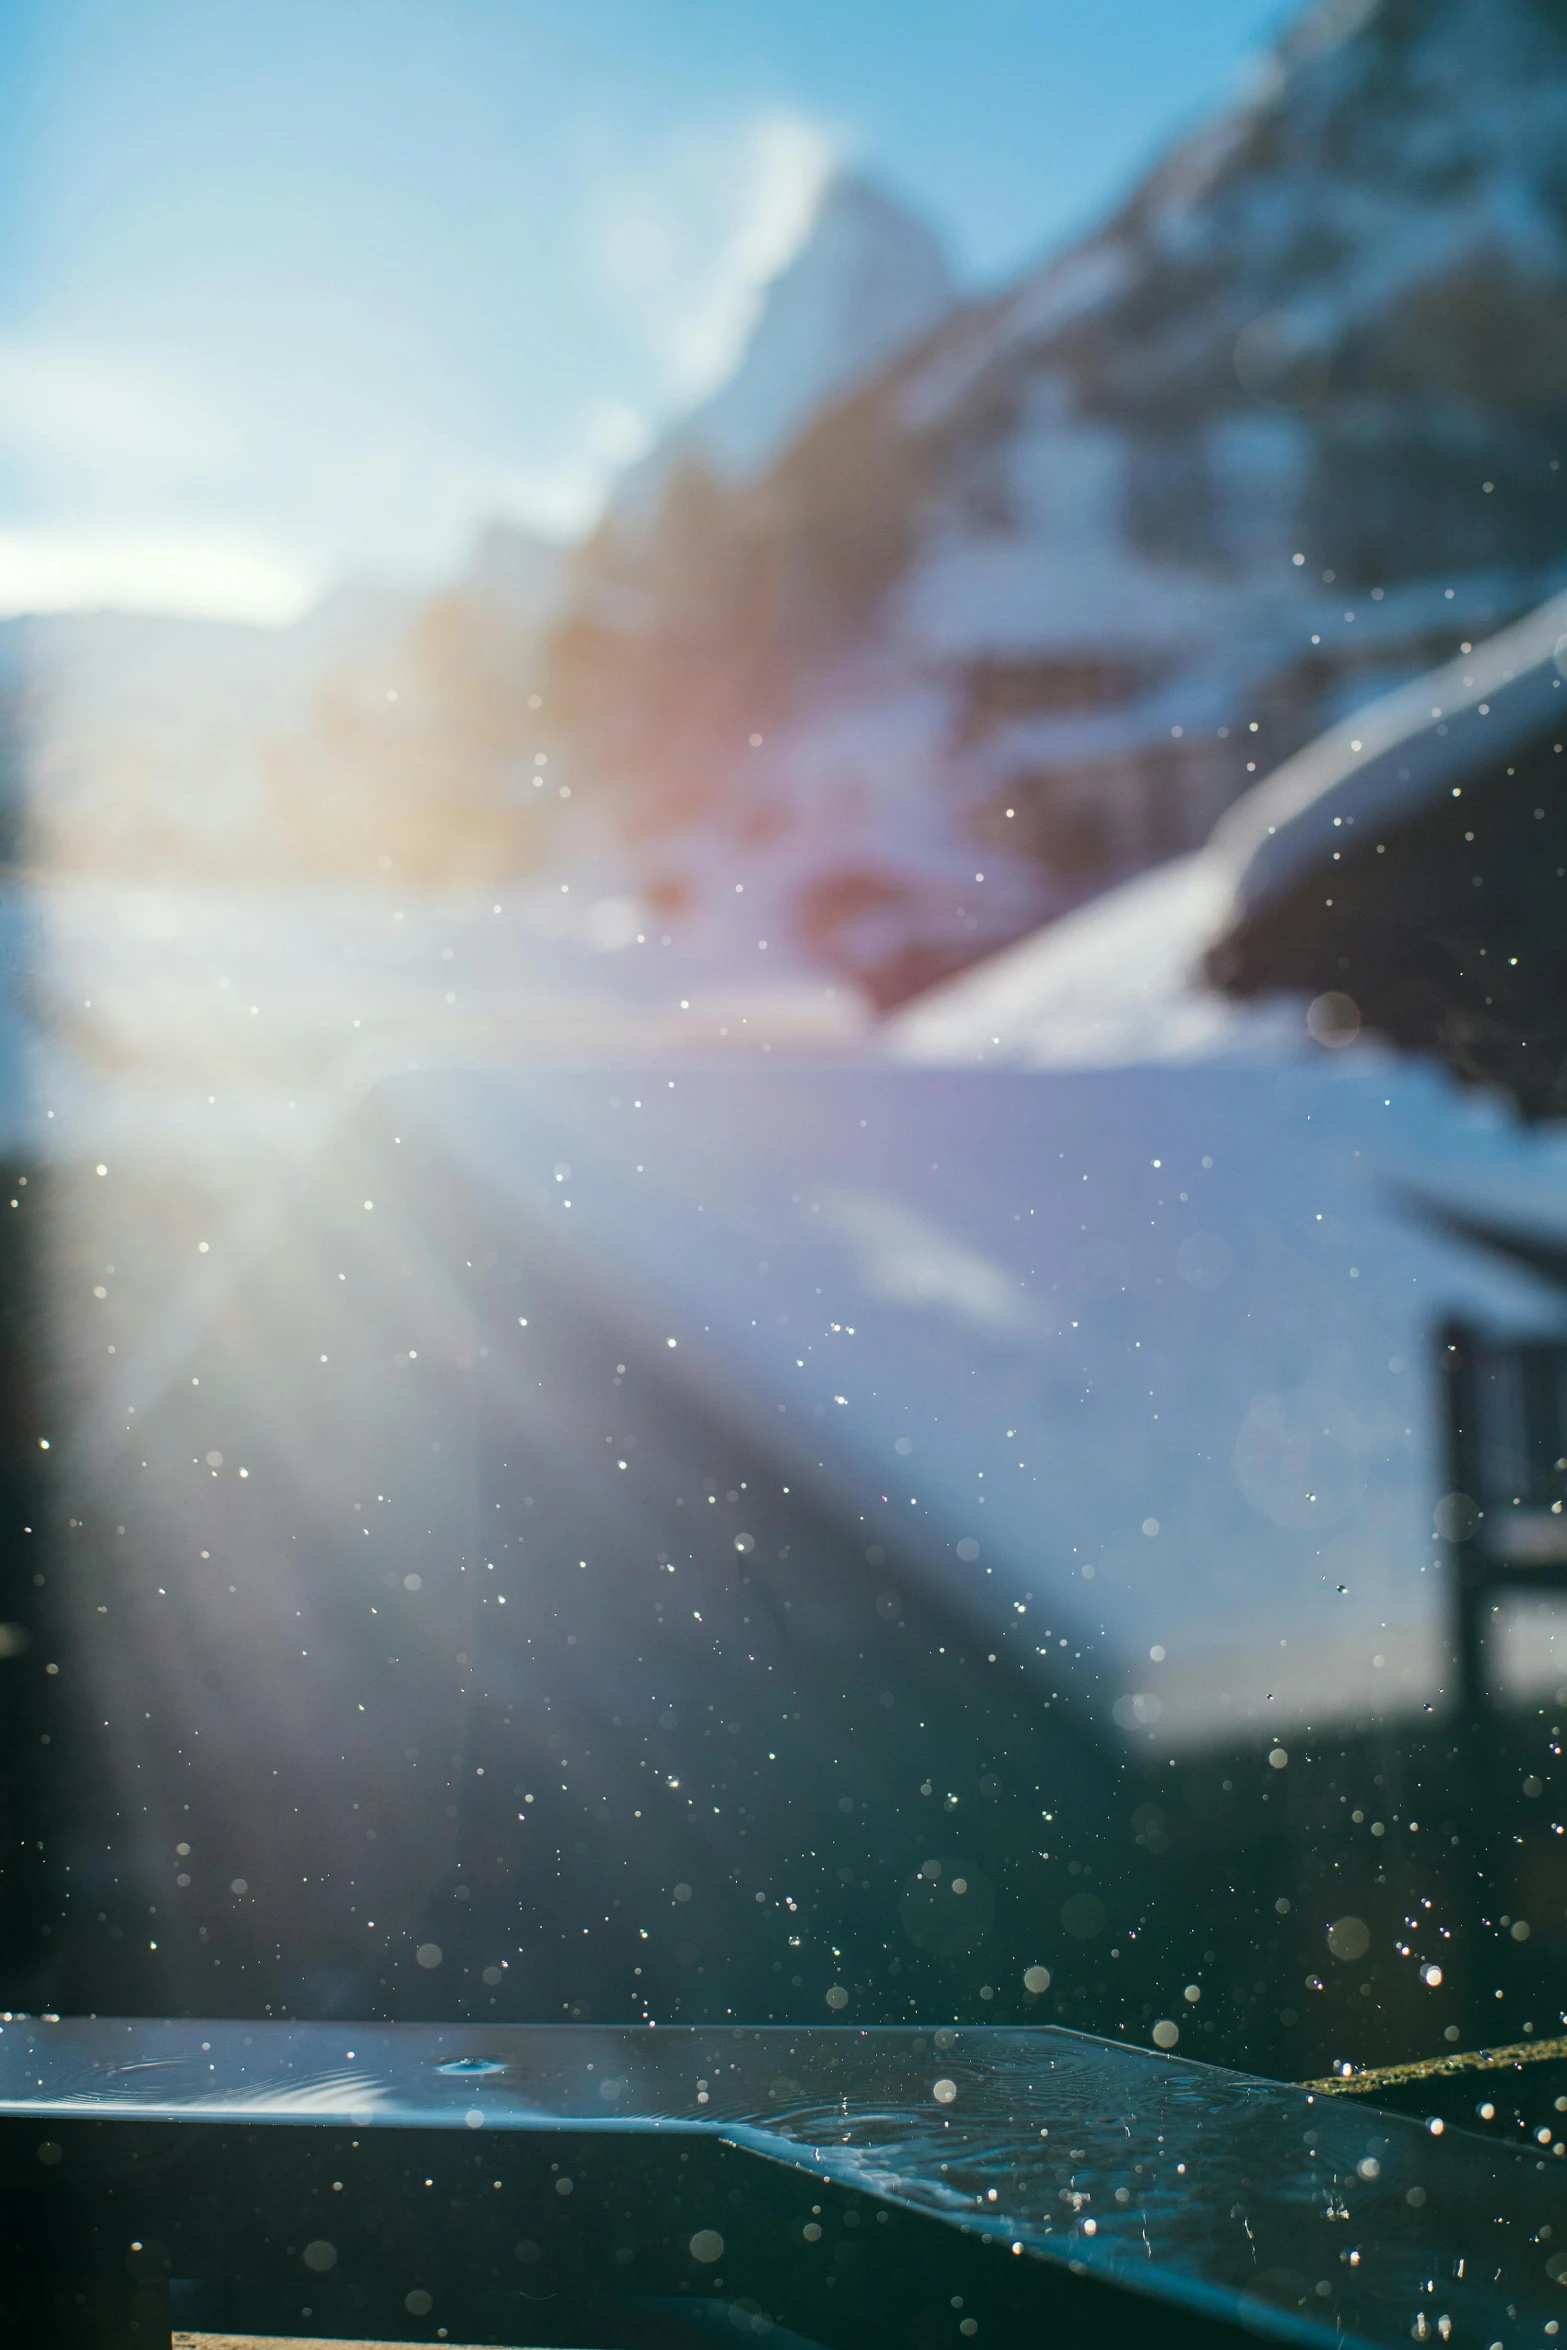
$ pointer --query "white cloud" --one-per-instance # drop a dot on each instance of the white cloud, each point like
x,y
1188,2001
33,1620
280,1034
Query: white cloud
x,y
202,489
77,417
214,575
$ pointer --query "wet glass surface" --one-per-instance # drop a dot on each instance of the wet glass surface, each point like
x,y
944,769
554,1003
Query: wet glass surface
x,y
1202,2187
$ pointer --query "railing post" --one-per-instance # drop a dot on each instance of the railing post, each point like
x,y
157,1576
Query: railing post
x,y
1477,1726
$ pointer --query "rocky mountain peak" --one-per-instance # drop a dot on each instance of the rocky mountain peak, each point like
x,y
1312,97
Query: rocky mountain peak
x,y
868,278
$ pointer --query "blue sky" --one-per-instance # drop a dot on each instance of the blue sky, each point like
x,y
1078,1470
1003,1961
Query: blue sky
x,y
298,289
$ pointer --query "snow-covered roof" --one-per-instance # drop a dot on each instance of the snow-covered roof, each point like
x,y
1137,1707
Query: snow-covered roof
x,y
1116,984
1395,756
1120,982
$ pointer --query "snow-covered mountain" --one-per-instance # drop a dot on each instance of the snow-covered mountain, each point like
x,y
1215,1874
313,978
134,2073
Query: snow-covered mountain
x,y
1041,599
867,280
394,732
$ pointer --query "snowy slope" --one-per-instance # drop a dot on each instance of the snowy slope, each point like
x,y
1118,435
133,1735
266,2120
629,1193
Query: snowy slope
x,y
1042,599
1139,1360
